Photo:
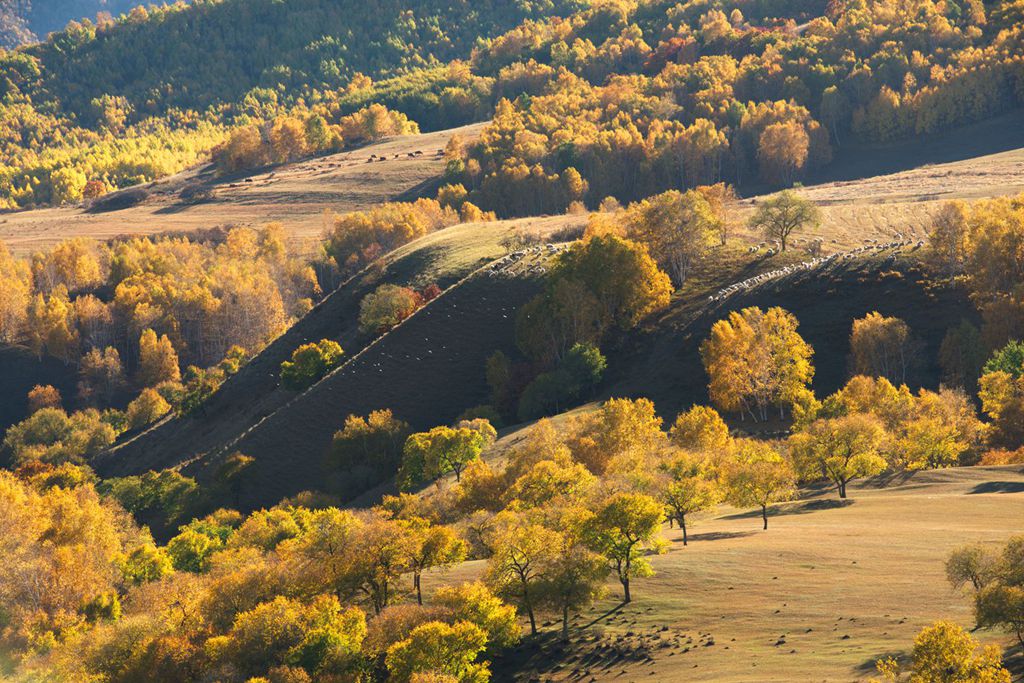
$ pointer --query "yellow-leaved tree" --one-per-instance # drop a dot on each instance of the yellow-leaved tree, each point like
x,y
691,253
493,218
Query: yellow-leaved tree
x,y
756,359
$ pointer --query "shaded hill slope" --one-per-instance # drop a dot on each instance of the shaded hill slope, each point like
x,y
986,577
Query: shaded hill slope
x,y
428,371
20,370
662,362
445,257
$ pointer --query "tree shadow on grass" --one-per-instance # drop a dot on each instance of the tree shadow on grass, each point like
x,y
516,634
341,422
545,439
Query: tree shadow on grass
x,y
1013,659
868,666
998,487
717,536
816,505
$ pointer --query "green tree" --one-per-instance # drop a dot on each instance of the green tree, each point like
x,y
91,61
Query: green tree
x,y
439,648
310,363
623,530
781,215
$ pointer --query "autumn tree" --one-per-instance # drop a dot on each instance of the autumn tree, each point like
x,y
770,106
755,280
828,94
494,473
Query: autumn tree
x,y
948,239
158,361
520,552
581,302
101,375
432,546
148,407
840,449
679,229
700,429
374,442
15,294
381,551
882,346
429,455
574,575
621,430
386,307
782,156
781,215
962,356
43,396
1002,399
756,359
624,529
996,581
759,476
690,485
946,652
437,648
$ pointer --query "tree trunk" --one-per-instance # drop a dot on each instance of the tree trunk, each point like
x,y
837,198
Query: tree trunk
x,y
565,622
842,489
625,590
764,516
529,611
419,593
682,524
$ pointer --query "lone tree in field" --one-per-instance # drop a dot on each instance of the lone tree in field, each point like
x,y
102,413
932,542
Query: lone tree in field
x,y
623,530
759,477
690,487
997,582
783,214
840,449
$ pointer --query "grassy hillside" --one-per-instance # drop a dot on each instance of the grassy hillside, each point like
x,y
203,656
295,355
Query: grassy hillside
x,y
296,194
821,595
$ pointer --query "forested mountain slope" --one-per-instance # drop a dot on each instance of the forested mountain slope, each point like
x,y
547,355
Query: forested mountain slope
x,y
26,21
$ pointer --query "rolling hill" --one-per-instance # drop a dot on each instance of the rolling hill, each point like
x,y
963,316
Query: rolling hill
x,y
828,589
289,435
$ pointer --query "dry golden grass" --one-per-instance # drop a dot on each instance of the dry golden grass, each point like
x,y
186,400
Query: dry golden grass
x,y
296,195
821,595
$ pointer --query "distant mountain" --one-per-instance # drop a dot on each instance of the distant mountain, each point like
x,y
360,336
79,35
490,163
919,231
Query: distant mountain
x,y
28,21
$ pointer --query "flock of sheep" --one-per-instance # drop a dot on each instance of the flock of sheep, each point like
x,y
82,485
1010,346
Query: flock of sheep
x,y
896,245
505,265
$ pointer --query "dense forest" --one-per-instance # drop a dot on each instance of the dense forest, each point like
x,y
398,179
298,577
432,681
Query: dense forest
x,y
621,99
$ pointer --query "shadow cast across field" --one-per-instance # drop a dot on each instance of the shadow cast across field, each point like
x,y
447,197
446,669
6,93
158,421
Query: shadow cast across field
x,y
717,536
870,665
538,657
998,487
806,507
